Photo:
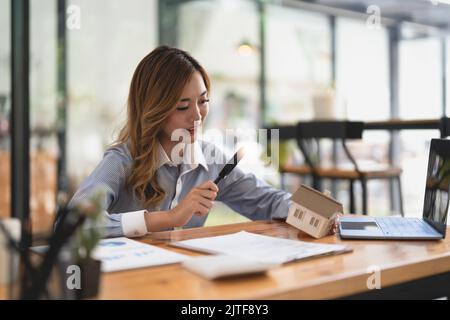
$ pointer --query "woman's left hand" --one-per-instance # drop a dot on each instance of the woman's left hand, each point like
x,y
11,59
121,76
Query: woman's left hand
x,y
334,227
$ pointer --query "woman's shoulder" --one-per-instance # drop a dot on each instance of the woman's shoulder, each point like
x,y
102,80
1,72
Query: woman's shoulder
x,y
206,145
210,149
119,151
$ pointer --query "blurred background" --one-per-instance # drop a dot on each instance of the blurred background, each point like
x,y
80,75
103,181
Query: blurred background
x,y
269,62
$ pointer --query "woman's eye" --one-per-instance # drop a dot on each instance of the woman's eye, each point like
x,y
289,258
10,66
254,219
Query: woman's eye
x,y
205,101
182,108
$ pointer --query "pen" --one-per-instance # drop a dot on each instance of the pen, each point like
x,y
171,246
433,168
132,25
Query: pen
x,y
229,166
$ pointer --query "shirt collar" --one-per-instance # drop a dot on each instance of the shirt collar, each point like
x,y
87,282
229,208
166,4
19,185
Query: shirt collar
x,y
192,156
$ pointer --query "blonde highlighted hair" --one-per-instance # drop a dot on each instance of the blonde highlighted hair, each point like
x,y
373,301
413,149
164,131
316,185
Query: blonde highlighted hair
x,y
155,89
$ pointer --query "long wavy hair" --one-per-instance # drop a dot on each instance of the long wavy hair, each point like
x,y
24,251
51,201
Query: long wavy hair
x,y
155,89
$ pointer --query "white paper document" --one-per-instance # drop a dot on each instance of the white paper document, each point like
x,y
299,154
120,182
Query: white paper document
x,y
219,266
122,253
260,248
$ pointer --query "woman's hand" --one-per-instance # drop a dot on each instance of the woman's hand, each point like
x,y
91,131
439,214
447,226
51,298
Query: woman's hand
x,y
335,226
198,201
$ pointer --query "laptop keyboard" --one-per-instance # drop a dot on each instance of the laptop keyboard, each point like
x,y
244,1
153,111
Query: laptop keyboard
x,y
404,226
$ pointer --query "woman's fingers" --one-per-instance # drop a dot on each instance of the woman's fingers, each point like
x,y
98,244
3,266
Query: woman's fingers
x,y
208,185
335,226
331,229
208,194
201,210
203,196
202,205
205,202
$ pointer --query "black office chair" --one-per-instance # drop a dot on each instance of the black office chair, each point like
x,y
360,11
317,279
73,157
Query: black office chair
x,y
339,131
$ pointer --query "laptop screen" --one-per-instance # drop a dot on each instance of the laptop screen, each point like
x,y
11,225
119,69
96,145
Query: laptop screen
x,y
437,188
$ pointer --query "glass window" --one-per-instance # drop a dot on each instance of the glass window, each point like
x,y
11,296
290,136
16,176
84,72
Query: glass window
x,y
420,86
5,107
420,90
362,70
298,62
43,108
447,72
208,30
113,36
362,87
414,149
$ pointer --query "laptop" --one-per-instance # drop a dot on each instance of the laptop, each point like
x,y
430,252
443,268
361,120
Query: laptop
x,y
433,224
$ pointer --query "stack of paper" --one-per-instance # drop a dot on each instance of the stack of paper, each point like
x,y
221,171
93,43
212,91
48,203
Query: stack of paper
x,y
260,248
122,253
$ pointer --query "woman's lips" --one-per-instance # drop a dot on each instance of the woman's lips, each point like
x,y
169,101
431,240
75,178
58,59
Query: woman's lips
x,y
193,129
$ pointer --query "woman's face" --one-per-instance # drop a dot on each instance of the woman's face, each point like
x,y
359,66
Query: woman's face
x,y
190,111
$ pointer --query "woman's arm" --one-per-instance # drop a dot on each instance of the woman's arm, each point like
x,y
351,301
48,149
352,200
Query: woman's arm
x,y
159,220
247,194
253,197
110,176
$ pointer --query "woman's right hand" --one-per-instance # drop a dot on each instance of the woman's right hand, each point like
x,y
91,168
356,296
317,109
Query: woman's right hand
x,y
198,201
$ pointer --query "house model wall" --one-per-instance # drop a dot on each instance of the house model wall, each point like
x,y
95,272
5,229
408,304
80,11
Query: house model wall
x,y
312,211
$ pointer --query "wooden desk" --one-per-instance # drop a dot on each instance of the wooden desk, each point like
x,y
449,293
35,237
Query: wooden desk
x,y
409,269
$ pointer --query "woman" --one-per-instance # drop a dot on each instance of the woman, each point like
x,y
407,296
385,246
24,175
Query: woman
x,y
147,189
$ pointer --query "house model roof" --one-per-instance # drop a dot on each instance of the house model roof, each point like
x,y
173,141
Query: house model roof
x,y
316,201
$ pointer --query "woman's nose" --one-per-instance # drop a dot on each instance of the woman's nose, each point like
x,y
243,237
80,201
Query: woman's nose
x,y
196,115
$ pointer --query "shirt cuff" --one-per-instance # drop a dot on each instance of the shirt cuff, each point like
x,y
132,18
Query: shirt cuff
x,y
133,224
283,210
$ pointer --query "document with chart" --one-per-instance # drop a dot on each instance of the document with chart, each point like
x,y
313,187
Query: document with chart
x,y
122,253
261,248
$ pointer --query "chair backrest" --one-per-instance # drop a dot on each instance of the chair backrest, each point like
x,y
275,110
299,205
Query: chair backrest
x,y
330,129
333,130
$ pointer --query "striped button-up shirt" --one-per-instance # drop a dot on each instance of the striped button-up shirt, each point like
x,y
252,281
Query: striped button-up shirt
x,y
243,192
